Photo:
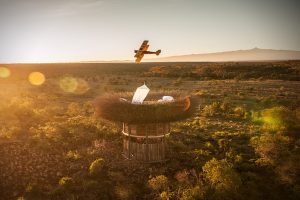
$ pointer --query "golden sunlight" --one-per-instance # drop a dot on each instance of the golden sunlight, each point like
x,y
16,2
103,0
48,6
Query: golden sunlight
x,y
36,78
4,72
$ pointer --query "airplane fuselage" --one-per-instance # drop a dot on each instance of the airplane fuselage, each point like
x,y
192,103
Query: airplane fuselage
x,y
145,52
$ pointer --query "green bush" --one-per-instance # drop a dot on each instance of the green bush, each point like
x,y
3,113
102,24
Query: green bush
x,y
212,109
272,148
239,111
158,183
96,168
66,182
221,176
197,192
164,196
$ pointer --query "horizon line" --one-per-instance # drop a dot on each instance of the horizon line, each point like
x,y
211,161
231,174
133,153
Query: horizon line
x,y
148,60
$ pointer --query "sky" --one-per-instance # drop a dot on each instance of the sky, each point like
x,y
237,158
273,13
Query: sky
x,y
102,30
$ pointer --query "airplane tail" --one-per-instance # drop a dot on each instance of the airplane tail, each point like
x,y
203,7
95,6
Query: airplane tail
x,y
158,52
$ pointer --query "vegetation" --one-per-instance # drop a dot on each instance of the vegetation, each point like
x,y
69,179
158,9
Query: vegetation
x,y
242,141
221,178
230,70
96,167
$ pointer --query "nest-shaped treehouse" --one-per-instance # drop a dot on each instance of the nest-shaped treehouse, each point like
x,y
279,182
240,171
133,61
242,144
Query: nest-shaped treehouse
x,y
146,125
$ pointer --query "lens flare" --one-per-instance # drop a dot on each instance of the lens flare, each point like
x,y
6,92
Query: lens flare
x,y
68,84
4,72
277,118
73,85
82,86
36,78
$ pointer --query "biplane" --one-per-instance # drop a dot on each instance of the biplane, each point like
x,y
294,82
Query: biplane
x,y
139,54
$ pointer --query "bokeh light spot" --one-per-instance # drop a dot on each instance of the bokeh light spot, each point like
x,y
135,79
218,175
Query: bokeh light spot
x,y
68,84
82,86
4,72
36,78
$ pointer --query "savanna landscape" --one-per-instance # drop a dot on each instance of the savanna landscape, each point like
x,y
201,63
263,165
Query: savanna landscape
x,y
242,141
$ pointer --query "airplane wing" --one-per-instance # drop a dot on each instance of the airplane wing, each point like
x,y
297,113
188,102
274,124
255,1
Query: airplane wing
x,y
139,57
144,46
140,53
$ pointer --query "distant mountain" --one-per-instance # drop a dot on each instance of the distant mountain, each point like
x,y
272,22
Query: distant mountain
x,y
255,54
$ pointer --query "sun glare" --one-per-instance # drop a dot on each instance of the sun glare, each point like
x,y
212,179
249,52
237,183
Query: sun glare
x,y
4,72
36,78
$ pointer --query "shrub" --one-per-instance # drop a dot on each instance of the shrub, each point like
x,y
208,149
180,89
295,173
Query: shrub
x,y
74,109
197,124
158,183
239,111
199,92
123,191
222,143
209,145
90,185
211,110
271,148
221,176
33,191
164,196
73,155
66,182
225,105
96,167
197,192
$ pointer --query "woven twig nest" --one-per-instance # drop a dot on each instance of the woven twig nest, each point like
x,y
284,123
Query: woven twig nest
x,y
114,107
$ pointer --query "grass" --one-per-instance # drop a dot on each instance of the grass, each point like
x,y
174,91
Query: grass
x,y
60,135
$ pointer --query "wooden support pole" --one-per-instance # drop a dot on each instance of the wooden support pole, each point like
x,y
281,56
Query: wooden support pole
x,y
147,145
129,141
